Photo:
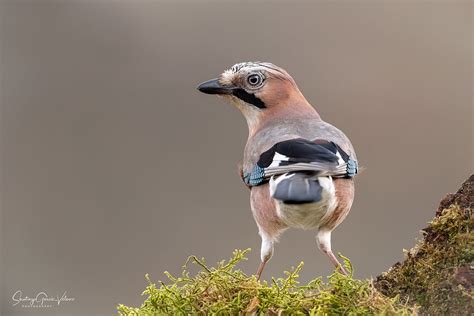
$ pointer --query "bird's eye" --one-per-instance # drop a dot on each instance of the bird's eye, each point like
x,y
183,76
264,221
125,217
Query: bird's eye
x,y
255,80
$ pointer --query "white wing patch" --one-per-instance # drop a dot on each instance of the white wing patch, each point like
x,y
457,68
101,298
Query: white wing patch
x,y
277,159
340,161
322,169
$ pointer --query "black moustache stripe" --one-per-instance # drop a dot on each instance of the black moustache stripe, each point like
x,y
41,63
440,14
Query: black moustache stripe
x,y
249,98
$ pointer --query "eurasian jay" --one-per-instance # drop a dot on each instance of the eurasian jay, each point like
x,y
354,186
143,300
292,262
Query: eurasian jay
x,y
299,168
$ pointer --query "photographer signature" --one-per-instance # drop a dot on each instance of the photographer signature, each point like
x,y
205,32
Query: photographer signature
x,y
41,299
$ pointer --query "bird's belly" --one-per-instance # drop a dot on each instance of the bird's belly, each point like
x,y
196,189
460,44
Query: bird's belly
x,y
309,215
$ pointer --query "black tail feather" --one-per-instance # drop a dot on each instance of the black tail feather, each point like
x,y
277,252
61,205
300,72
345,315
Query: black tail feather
x,y
297,188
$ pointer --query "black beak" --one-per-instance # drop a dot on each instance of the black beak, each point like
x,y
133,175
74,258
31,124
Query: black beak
x,y
214,87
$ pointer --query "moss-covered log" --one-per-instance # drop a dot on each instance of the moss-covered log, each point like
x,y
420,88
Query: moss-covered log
x,y
438,273
436,278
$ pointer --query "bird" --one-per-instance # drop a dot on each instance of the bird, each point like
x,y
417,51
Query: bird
x,y
300,169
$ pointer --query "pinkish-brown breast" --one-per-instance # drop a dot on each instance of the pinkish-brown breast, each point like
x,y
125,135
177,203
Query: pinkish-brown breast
x,y
264,212
344,197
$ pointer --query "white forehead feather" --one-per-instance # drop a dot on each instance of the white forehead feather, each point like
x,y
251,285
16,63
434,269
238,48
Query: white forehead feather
x,y
229,74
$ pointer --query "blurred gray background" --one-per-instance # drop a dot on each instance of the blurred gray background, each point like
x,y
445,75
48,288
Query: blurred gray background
x,y
113,165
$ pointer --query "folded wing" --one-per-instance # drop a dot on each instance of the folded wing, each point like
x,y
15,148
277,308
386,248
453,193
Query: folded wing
x,y
324,158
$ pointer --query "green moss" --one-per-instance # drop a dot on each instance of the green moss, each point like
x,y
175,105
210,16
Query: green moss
x,y
437,273
226,290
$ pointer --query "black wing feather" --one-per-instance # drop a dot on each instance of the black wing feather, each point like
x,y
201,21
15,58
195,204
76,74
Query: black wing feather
x,y
300,150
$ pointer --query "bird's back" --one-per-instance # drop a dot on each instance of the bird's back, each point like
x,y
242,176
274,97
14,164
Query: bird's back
x,y
285,129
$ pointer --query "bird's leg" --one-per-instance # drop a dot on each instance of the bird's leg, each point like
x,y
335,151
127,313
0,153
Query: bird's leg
x,y
336,262
260,269
324,244
266,252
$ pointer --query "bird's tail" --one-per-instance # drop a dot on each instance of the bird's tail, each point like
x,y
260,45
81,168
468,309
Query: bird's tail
x,y
296,188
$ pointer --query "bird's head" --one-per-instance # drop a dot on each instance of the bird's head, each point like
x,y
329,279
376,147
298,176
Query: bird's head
x,y
261,91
